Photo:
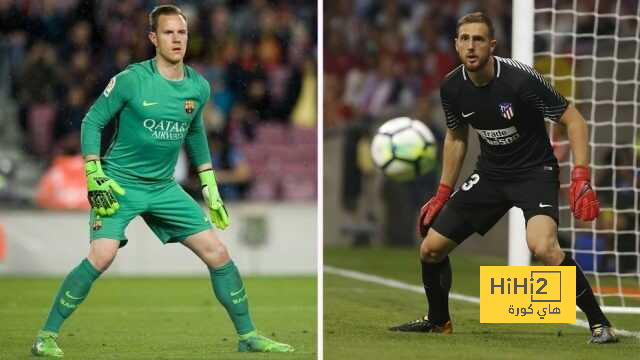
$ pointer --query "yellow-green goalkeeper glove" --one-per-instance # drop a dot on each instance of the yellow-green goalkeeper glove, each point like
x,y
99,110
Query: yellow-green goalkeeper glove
x,y
217,210
101,189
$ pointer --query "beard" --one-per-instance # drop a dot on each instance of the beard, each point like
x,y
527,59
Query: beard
x,y
477,65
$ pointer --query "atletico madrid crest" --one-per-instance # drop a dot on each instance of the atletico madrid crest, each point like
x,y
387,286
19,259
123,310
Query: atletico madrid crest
x,y
506,110
189,105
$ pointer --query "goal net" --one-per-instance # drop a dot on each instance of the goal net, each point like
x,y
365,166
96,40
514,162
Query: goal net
x,y
590,51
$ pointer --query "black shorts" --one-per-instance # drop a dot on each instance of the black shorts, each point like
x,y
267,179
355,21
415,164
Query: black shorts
x,y
480,202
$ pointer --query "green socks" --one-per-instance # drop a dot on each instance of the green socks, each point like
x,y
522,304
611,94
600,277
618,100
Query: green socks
x,y
226,281
230,292
73,291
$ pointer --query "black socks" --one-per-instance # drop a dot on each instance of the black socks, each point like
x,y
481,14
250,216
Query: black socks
x,y
436,279
585,299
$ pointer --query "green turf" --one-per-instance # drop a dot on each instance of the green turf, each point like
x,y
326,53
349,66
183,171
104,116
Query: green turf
x,y
159,318
356,315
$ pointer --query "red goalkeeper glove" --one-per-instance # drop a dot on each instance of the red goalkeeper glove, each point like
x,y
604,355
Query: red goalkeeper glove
x,y
582,199
429,210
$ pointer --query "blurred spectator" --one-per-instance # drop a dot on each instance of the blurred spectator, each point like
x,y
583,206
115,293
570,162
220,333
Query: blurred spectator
x,y
232,169
80,37
594,248
63,185
69,121
40,78
304,111
618,184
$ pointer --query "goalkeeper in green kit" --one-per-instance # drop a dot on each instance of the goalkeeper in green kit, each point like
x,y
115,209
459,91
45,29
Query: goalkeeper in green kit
x,y
158,106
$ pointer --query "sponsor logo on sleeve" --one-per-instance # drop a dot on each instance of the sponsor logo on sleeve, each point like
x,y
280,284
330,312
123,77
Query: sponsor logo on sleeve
x,y
110,86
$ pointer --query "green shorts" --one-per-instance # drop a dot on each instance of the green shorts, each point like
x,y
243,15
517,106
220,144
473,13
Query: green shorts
x,y
169,211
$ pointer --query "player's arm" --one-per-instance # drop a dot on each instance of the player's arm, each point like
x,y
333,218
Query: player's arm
x,y
455,149
114,97
544,97
100,187
582,199
198,152
578,133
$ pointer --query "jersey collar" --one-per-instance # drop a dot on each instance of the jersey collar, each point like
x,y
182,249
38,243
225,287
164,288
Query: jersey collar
x,y
496,65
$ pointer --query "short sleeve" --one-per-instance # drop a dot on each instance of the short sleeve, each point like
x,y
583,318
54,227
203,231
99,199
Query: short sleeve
x,y
453,120
542,96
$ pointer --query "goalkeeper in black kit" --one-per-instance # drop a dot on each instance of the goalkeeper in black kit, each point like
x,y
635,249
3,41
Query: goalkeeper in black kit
x,y
506,102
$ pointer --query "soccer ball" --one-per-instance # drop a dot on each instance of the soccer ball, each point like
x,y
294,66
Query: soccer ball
x,y
404,148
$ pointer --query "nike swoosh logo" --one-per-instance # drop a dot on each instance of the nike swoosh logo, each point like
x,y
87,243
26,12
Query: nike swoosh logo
x,y
145,103
68,294
234,293
544,205
467,115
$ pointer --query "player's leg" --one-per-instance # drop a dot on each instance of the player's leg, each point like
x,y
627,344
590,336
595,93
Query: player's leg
x,y
230,291
225,278
72,292
175,217
457,220
543,242
436,274
538,199
103,248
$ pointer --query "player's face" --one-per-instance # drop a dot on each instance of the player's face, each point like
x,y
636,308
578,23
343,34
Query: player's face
x,y
474,45
170,38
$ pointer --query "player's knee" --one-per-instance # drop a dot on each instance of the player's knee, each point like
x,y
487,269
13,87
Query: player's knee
x,y
216,254
434,248
102,253
431,255
546,251
101,260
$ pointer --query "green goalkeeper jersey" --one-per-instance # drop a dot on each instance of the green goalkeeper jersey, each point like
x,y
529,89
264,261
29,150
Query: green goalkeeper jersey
x,y
154,116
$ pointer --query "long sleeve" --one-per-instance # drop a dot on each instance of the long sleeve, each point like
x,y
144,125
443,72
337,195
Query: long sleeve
x,y
196,139
114,97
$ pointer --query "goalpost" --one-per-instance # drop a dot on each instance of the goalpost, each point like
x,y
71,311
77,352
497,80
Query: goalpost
x,y
590,51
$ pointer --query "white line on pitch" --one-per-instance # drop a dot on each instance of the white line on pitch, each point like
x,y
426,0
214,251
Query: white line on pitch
x,y
419,289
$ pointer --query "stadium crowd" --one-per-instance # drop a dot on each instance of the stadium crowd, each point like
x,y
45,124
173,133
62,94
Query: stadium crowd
x,y
382,56
258,55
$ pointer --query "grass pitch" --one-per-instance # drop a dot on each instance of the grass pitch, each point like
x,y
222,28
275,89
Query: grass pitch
x,y
357,314
159,318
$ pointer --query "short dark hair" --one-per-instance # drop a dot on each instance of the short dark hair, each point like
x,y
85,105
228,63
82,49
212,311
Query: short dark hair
x,y
154,15
476,17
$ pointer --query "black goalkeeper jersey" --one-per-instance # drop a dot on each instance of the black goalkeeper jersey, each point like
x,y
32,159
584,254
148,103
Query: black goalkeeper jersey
x,y
508,114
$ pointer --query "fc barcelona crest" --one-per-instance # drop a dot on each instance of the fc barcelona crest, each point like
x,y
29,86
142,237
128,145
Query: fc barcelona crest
x,y
506,110
189,105
97,224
